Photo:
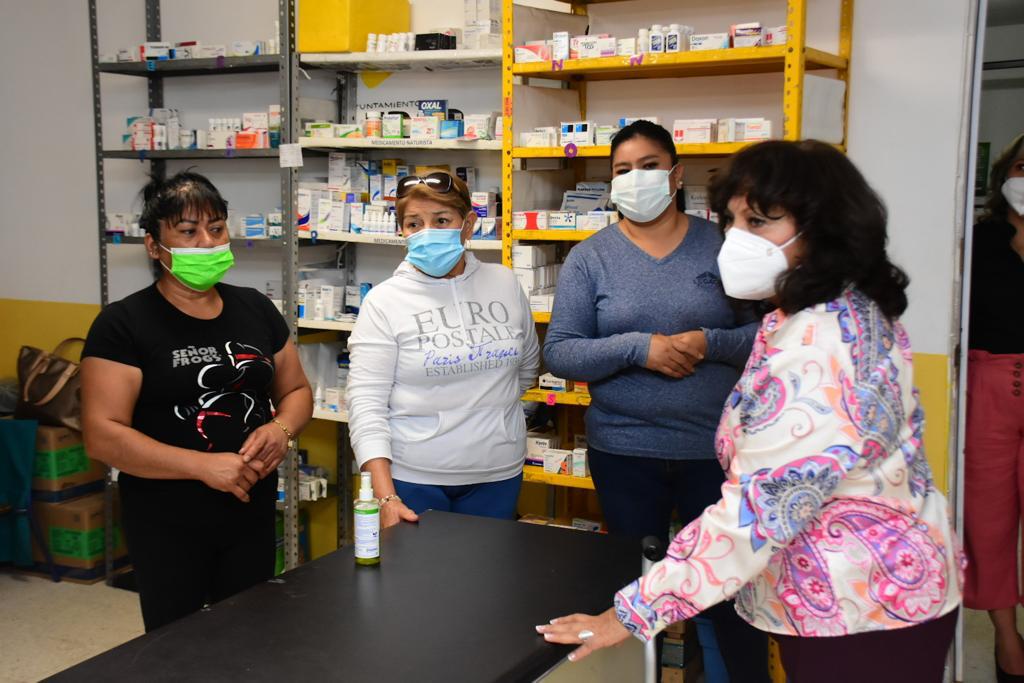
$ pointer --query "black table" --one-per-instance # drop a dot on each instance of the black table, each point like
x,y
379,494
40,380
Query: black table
x,y
454,599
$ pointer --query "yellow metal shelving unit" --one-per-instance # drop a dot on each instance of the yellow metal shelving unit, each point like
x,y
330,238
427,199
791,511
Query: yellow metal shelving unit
x,y
793,60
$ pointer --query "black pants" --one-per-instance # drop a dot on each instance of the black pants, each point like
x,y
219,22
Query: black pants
x,y
193,546
917,653
637,496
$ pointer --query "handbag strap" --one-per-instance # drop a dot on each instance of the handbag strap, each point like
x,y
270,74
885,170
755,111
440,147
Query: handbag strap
x,y
70,370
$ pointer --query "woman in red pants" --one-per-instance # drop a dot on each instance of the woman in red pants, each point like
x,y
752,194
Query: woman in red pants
x,y
994,470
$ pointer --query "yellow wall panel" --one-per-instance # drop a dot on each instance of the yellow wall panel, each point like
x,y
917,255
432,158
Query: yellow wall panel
x,y
42,324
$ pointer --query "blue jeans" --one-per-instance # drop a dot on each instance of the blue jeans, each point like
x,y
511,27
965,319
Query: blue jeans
x,y
491,499
637,496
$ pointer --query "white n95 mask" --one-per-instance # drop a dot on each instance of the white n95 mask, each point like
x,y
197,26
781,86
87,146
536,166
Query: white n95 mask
x,y
1013,190
642,195
750,265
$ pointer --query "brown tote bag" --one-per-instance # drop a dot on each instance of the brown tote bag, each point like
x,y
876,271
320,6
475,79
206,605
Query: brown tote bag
x,y
50,387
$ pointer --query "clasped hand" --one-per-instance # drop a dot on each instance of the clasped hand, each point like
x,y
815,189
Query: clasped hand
x,y
676,355
237,473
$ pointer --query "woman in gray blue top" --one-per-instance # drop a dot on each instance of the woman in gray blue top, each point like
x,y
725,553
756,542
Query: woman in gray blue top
x,y
641,315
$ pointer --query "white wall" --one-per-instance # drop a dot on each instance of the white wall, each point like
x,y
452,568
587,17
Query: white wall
x,y
48,230
906,100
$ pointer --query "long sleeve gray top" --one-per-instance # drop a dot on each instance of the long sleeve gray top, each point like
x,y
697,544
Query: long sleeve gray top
x,y
612,297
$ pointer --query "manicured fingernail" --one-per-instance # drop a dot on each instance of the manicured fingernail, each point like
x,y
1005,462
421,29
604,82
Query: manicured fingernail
x,y
553,621
540,629
572,657
548,636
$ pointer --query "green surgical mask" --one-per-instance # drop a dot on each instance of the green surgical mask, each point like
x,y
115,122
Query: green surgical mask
x,y
199,268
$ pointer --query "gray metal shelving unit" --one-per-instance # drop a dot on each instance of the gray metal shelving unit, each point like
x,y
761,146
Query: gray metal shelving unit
x,y
286,64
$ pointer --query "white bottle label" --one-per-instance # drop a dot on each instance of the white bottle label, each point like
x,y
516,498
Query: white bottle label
x,y
367,533
657,43
672,42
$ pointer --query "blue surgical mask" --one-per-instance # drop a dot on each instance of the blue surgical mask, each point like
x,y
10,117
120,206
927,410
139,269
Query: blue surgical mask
x,y
435,251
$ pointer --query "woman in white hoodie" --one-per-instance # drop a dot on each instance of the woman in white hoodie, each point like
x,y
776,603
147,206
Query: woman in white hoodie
x,y
440,356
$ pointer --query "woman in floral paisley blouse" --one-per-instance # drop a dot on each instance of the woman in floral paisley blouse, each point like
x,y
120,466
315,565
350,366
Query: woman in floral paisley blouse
x,y
830,533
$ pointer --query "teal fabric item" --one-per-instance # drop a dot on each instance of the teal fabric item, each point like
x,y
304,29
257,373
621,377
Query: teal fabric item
x,y
17,452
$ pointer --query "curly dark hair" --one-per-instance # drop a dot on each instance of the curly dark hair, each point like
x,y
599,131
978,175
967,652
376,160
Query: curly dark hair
x,y
996,205
841,220
656,134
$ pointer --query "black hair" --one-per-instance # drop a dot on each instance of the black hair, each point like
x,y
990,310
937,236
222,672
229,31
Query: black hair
x,y
841,221
185,193
656,134
996,205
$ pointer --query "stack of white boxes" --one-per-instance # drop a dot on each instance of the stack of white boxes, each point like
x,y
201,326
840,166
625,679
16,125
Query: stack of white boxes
x,y
537,272
482,25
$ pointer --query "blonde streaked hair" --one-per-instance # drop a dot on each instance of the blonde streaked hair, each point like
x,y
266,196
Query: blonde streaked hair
x,y
457,199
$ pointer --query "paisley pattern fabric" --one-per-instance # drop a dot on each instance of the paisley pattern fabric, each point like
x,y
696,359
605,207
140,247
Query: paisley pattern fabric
x,y
829,523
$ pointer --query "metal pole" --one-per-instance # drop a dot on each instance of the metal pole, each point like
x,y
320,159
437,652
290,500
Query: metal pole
x,y
653,550
288,75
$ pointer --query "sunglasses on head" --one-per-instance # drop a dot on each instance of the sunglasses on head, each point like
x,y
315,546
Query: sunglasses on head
x,y
439,182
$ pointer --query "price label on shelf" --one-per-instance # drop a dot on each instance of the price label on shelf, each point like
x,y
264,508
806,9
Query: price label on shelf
x,y
291,156
571,151
551,399
557,64
637,60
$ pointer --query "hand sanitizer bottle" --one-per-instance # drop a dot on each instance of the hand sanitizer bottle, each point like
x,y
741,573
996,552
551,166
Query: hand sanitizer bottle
x,y
367,523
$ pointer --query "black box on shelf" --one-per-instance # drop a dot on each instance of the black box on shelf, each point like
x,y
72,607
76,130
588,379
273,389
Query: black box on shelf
x,y
435,41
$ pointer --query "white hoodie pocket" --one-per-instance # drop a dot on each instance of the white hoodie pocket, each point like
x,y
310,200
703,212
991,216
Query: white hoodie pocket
x,y
474,441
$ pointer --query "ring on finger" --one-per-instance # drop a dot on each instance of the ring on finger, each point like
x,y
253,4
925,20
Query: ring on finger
x,y
585,635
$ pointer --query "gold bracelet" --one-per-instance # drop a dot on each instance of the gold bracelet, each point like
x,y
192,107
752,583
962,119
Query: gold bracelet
x,y
387,499
288,432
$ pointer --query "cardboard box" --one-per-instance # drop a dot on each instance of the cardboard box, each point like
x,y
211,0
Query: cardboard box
x,y
342,25
692,131
525,54
709,41
424,127
557,461
529,220
479,127
451,129
776,35
74,532
61,468
562,220
549,382
536,444
580,466
532,256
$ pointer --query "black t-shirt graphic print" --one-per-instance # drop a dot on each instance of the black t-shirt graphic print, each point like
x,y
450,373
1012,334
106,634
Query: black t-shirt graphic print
x,y
235,379
205,383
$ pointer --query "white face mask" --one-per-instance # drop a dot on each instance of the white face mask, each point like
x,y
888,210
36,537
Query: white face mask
x,y
750,265
1013,190
642,195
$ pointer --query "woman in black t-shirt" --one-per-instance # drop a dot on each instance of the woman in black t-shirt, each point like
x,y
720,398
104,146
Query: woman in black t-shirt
x,y
994,454
180,384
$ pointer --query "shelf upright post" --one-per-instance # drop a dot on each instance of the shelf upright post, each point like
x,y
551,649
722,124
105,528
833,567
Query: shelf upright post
x,y
846,52
155,85
101,207
795,67
347,113
507,140
288,78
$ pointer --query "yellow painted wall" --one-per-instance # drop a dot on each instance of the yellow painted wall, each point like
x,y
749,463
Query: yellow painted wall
x,y
933,376
42,324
